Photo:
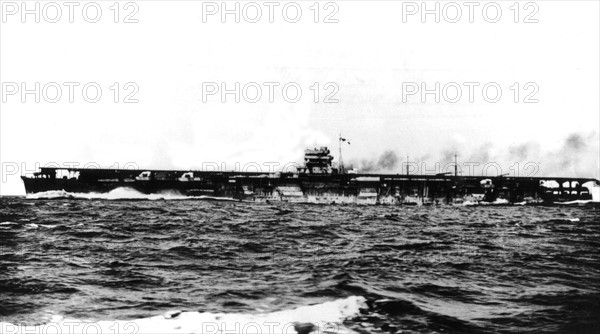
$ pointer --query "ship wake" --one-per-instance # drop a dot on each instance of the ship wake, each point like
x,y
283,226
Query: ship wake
x,y
119,194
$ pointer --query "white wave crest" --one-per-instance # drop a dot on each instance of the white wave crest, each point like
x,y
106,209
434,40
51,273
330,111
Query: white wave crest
x,y
498,201
320,318
8,223
576,202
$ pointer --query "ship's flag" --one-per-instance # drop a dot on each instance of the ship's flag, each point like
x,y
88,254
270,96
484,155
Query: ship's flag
x,y
344,139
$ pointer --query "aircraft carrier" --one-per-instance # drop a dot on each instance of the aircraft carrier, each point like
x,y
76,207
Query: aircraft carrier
x,y
319,182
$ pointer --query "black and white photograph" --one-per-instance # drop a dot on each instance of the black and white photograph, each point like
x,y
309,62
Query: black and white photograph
x,y
299,167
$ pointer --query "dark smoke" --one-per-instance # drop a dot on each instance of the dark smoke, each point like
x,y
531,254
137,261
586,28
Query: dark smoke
x,y
388,160
575,142
367,166
522,151
571,156
577,157
481,155
448,154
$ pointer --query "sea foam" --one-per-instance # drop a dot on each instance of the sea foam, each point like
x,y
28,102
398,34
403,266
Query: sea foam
x,y
117,194
321,318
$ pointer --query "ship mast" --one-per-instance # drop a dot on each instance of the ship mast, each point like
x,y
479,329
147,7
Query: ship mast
x,y
340,140
455,164
341,163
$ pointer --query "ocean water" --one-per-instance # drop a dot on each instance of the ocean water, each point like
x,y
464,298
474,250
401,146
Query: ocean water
x,y
180,265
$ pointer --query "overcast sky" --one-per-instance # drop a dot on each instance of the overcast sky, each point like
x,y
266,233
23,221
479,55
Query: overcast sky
x,y
373,53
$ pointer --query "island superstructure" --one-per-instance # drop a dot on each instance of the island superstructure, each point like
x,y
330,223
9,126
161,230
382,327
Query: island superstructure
x,y
318,181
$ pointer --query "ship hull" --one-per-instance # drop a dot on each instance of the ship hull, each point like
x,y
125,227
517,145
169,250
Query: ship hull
x,y
327,189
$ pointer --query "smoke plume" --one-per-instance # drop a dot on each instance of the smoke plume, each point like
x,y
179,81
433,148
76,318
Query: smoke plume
x,y
387,162
577,156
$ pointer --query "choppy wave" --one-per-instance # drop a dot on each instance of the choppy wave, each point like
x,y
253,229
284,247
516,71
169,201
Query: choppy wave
x,y
320,318
450,269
